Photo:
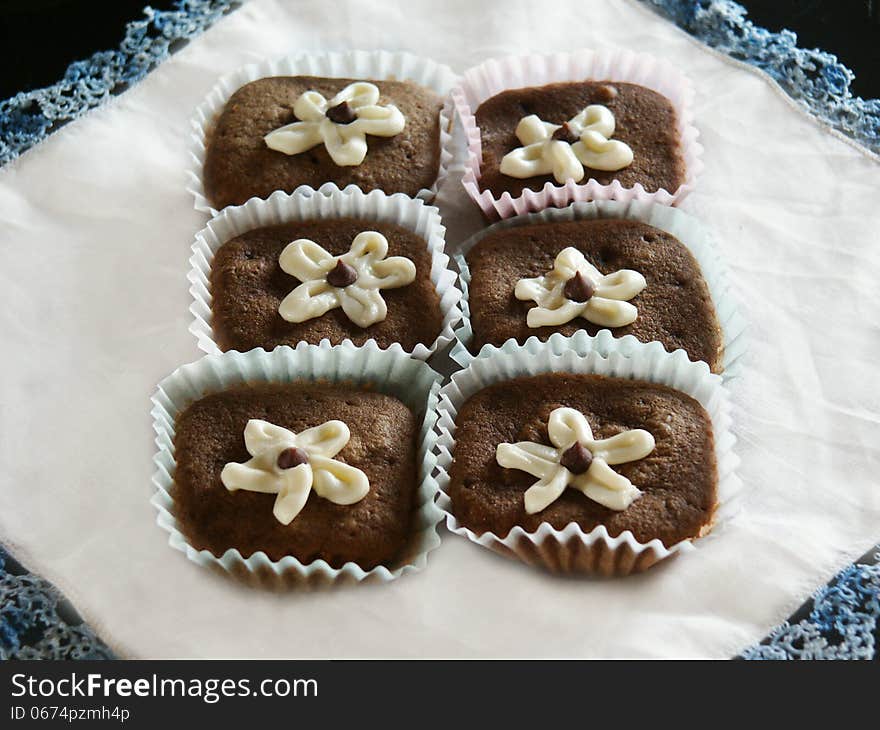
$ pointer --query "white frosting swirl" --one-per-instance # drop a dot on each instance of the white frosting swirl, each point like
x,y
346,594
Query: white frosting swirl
x,y
330,479
607,307
360,300
540,154
345,143
599,482
595,127
543,155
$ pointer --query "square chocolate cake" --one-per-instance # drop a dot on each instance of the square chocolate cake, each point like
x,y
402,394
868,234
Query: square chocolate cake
x,y
369,528
662,487
640,118
670,303
240,164
248,285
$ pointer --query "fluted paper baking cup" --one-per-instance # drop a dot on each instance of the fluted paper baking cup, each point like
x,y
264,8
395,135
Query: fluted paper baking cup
x,y
389,371
516,72
330,202
375,65
691,232
572,550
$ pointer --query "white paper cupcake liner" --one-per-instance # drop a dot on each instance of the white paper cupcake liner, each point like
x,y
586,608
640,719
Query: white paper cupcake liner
x,y
376,65
331,202
571,550
389,371
685,228
494,76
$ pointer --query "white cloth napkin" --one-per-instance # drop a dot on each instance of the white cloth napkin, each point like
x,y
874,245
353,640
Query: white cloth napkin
x,y
95,240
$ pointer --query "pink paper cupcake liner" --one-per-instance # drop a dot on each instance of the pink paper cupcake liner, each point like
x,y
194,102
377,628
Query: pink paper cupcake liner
x,y
515,72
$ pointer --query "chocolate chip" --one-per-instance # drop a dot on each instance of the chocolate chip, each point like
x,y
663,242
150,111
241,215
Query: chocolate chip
x,y
341,113
342,275
577,459
579,288
606,93
292,457
565,134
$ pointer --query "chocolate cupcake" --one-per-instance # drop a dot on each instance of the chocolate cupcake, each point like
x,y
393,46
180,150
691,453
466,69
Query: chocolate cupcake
x,y
599,464
567,276
579,130
549,130
374,120
317,471
299,464
554,437
637,270
341,265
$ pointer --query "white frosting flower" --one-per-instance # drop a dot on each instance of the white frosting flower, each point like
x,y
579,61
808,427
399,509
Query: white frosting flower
x,y
351,281
595,127
291,465
543,155
577,461
346,142
575,288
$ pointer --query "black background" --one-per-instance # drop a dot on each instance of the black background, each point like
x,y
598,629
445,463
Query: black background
x,y
41,37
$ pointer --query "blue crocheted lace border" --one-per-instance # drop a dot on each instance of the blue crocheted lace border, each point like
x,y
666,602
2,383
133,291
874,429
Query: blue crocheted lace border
x,y
30,116
815,79
36,622
841,622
